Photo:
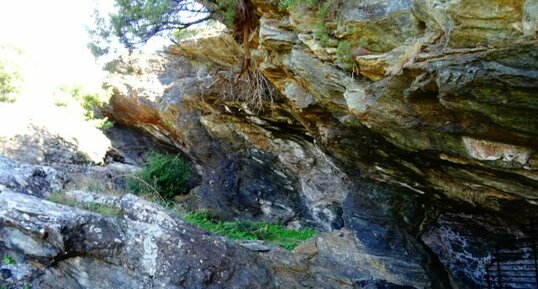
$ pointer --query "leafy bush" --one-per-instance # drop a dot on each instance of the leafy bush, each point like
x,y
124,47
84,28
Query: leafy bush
x,y
245,230
91,104
163,174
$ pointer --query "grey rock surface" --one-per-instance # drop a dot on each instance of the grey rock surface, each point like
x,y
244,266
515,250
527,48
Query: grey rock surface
x,y
34,180
143,247
466,245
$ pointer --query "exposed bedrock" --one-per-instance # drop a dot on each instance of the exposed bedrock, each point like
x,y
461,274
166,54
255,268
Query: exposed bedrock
x,y
406,119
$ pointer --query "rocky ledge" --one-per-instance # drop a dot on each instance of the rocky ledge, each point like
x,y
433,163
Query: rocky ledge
x,y
138,244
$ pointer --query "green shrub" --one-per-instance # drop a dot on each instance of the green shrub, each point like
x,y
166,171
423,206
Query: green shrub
x,y
8,260
163,174
245,230
91,103
321,16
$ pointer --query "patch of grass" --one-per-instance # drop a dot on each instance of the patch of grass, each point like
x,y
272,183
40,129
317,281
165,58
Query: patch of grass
x,y
8,260
245,230
106,210
60,198
344,55
164,175
321,17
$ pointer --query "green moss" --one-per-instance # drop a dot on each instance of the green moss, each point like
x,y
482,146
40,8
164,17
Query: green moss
x,y
245,230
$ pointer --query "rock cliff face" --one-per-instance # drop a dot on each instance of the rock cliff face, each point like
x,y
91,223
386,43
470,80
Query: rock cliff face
x,y
138,244
406,131
396,120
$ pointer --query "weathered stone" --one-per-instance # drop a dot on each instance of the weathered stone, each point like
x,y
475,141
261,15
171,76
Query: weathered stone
x,y
470,23
377,25
465,244
380,232
34,180
373,66
256,247
143,248
224,50
492,151
358,264
326,83
274,37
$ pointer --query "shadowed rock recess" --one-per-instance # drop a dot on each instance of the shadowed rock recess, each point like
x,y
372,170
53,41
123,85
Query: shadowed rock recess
x,y
407,135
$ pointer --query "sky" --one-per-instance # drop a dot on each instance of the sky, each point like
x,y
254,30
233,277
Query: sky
x,y
54,37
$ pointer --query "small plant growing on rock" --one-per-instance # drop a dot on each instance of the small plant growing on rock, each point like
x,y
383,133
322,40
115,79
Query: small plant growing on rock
x,y
246,230
168,175
103,209
8,260
60,198
91,104
344,55
322,10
